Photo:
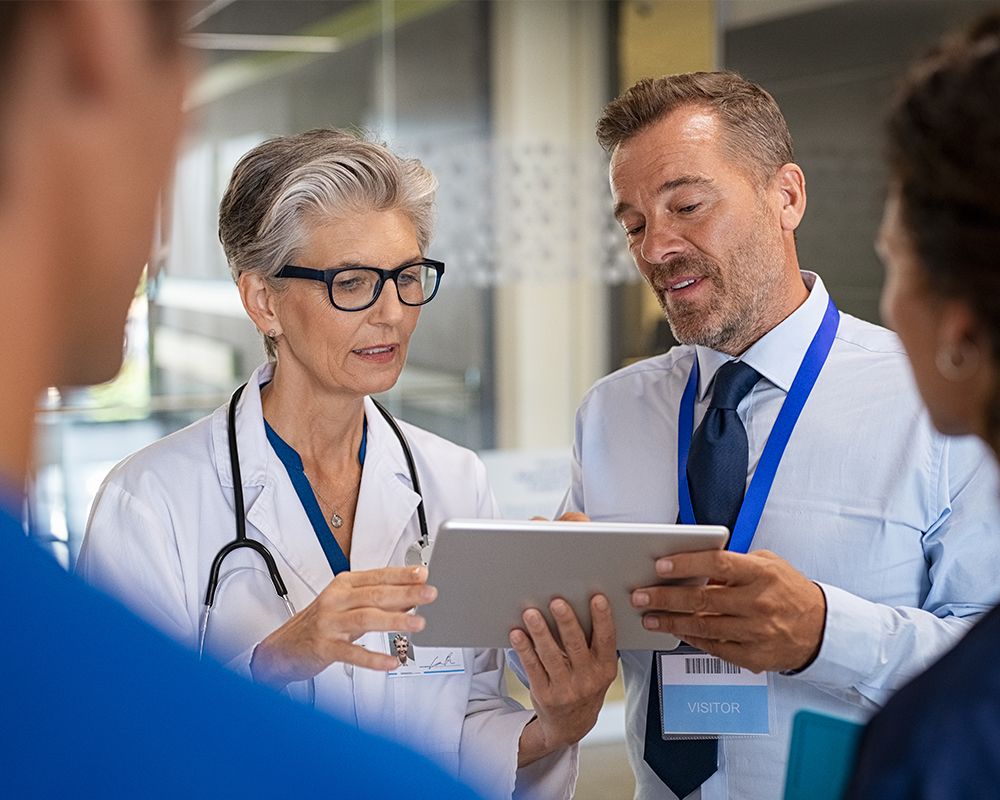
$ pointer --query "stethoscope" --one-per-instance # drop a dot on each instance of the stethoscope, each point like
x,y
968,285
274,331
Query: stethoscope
x,y
418,553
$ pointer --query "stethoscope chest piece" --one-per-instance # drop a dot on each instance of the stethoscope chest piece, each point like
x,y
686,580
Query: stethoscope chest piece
x,y
417,555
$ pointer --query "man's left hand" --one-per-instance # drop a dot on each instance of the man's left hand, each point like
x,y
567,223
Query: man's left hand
x,y
757,611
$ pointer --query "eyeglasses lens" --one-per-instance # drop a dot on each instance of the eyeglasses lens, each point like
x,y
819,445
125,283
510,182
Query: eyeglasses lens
x,y
356,288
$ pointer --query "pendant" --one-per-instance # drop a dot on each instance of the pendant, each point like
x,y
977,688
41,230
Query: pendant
x,y
336,520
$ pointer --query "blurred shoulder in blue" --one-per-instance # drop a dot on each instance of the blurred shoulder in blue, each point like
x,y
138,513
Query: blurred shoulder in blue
x,y
939,737
93,703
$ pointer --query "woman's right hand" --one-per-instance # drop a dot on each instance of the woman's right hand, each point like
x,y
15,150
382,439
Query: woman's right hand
x,y
353,604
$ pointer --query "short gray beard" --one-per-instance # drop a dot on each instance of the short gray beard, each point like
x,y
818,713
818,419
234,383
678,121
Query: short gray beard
x,y
754,313
735,333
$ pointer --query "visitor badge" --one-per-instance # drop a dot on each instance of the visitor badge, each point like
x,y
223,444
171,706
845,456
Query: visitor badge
x,y
418,661
701,695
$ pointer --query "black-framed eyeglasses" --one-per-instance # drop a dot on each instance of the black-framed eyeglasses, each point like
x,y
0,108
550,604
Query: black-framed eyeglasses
x,y
357,288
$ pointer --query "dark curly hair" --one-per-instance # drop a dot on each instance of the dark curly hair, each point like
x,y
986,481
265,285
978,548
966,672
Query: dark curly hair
x,y
944,159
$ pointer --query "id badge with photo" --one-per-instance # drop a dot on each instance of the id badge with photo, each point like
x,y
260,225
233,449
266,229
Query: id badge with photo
x,y
702,696
422,661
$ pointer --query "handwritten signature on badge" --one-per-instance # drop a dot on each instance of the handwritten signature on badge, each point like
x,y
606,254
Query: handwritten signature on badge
x,y
447,661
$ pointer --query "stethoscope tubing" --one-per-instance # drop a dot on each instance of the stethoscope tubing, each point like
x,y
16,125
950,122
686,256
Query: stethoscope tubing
x,y
242,541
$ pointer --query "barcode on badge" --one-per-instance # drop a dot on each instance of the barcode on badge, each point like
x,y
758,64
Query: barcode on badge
x,y
709,666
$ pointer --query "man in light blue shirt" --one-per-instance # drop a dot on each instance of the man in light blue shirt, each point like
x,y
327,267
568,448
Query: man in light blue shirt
x,y
873,552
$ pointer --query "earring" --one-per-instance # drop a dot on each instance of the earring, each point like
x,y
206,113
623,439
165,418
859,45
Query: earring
x,y
272,334
958,364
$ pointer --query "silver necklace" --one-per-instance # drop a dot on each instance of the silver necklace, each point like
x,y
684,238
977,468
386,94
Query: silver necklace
x,y
336,520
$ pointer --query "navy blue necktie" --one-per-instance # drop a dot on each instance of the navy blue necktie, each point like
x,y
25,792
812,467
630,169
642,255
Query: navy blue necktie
x,y
717,473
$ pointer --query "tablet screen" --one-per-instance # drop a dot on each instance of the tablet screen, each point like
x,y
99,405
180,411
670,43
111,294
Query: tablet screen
x,y
488,572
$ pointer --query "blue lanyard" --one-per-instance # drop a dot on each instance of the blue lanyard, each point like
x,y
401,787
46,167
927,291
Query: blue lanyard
x,y
760,487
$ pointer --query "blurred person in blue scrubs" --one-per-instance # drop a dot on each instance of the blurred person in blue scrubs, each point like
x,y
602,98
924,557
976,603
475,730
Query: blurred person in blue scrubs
x,y
939,737
93,703
875,547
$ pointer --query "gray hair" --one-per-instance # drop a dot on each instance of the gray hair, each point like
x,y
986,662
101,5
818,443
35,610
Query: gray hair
x,y
284,186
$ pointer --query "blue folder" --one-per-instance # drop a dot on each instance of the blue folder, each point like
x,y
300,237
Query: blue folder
x,y
821,756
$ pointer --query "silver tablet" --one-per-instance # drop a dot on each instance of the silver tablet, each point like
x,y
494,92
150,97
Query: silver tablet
x,y
488,572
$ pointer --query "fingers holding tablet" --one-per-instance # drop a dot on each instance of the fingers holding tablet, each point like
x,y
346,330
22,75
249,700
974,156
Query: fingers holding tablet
x,y
568,676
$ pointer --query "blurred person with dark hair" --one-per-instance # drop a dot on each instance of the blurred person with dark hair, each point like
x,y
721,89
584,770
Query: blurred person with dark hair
x,y
864,543
939,737
93,703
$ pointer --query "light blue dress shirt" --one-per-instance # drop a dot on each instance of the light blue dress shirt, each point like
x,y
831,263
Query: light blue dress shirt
x,y
896,523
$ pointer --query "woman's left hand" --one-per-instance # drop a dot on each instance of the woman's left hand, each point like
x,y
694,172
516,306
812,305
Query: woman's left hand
x,y
567,682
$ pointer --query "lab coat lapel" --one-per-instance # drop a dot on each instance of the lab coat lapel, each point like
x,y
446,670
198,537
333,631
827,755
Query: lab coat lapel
x,y
273,507
279,516
387,504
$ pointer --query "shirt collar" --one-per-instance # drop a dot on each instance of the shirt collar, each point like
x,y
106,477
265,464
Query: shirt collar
x,y
778,354
11,499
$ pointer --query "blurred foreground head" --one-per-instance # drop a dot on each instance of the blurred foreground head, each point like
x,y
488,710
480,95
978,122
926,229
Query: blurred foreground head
x,y
90,114
940,237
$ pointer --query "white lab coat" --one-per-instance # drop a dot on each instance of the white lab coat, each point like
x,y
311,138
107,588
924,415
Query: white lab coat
x,y
163,513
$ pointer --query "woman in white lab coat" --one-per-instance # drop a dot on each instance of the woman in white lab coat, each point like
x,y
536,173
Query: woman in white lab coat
x,y
325,234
